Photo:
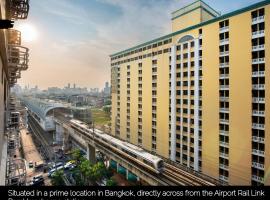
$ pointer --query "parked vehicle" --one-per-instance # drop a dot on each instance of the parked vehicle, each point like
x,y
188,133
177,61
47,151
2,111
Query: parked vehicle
x,y
30,164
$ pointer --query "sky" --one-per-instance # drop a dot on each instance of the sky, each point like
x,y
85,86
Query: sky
x,y
76,37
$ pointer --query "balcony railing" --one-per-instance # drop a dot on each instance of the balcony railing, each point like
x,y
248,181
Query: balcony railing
x,y
224,110
224,144
224,87
224,29
225,99
225,133
14,37
258,47
258,113
258,165
224,41
258,60
258,74
222,166
257,178
18,57
223,178
223,65
258,100
257,152
258,87
224,53
258,34
18,9
258,20
224,76
258,126
258,139
224,121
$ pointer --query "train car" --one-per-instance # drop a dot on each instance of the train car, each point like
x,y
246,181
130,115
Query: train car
x,y
152,161
79,125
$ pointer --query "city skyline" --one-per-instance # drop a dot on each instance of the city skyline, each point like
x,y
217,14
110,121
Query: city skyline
x,y
83,34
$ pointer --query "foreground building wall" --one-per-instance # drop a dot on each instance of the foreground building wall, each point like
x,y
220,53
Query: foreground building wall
x,y
13,59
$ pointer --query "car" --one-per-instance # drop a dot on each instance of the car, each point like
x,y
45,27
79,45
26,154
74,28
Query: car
x,y
59,164
30,164
37,182
69,166
37,177
51,172
71,162
53,166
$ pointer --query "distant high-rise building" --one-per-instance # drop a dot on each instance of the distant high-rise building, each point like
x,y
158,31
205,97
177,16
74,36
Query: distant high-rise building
x,y
107,89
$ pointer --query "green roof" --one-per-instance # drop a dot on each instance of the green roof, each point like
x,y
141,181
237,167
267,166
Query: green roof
x,y
222,17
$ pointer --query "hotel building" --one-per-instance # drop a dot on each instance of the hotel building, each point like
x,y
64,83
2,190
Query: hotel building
x,y
200,95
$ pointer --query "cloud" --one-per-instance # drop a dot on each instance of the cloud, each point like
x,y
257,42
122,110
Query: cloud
x,y
81,54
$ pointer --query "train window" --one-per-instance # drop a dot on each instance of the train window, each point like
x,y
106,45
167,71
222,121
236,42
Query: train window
x,y
160,164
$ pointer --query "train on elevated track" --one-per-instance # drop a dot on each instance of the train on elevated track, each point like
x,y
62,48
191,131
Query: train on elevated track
x,y
152,161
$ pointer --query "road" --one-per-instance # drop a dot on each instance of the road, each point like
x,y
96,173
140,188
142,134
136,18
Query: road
x,y
32,154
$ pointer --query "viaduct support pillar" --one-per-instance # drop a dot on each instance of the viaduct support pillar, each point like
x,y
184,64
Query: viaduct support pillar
x,y
91,154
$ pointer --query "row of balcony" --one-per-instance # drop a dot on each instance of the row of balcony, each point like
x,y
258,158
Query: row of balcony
x,y
17,55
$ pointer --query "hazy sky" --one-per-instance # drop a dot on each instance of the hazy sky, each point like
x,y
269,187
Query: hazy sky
x,y
76,37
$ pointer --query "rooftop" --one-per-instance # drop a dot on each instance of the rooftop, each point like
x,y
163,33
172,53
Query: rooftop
x,y
193,6
41,107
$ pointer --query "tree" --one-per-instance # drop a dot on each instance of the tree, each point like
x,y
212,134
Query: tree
x,y
111,182
108,102
85,169
77,155
107,109
57,178
98,171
